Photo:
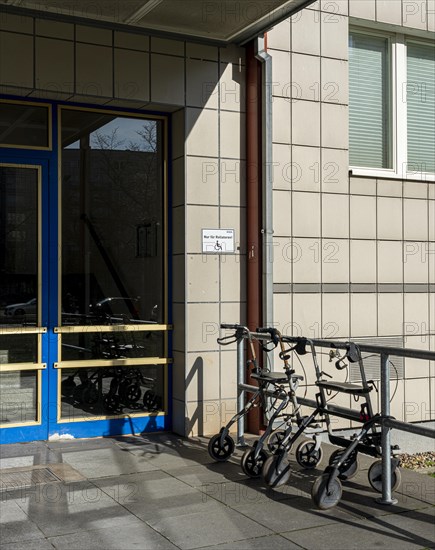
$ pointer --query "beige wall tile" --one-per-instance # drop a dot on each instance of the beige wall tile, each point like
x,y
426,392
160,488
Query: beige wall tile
x,y
203,325
16,23
94,35
167,79
202,51
198,218
132,75
178,278
306,314
232,182
414,14
178,133
305,80
415,214
202,84
415,189
335,36
203,418
305,168
417,368
281,79
362,186
228,374
16,60
416,314
304,255
390,188
202,278
364,9
54,65
335,171
429,252
306,214
389,216
282,260
282,213
335,316
282,166
335,81
431,207
232,135
416,267
363,315
335,6
278,38
179,424
232,87
282,315
202,376
362,261
335,126
281,127
390,262
390,314
397,405
179,330
306,123
202,175
431,27
417,401
235,218
389,11
335,261
335,216
233,278
170,47
362,217
305,32
233,54
233,313
54,29
202,132
94,70
131,41
179,376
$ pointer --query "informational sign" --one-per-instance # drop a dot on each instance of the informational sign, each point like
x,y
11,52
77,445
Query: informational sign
x,y
218,241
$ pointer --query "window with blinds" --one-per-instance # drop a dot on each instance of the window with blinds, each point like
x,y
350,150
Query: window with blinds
x,y
420,100
369,101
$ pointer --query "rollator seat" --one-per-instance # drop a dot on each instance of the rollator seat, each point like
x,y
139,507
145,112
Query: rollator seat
x,y
272,377
344,387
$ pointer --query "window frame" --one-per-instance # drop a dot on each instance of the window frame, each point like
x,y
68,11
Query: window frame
x,y
398,111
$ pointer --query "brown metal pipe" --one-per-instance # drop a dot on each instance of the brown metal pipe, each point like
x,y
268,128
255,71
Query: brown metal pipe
x,y
253,207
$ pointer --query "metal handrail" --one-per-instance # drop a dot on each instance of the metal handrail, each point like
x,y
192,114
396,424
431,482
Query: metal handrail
x,y
386,424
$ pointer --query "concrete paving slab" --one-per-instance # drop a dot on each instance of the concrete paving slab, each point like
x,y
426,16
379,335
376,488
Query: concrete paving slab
x,y
168,458
123,537
15,525
273,542
36,544
223,525
417,485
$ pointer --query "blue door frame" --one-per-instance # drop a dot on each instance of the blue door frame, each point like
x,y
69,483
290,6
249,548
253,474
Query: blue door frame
x,y
50,424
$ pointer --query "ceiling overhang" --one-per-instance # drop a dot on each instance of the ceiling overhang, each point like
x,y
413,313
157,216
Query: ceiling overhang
x,y
221,22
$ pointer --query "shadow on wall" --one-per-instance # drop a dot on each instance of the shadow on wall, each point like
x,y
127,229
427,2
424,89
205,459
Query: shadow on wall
x,y
196,374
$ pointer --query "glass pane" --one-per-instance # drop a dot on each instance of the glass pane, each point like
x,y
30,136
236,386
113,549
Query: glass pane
x,y
420,96
18,246
18,348
23,125
18,396
369,102
110,345
112,220
111,391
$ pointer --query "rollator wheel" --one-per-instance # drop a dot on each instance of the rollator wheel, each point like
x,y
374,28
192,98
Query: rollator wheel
x,y
221,452
251,467
324,497
111,403
350,467
151,401
307,455
375,477
274,440
131,394
276,470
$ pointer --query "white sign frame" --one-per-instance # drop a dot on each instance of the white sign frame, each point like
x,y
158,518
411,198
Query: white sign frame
x,y
218,241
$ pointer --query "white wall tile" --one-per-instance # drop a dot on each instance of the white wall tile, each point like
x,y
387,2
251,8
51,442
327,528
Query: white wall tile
x,y
335,216
363,9
282,260
306,314
278,38
306,214
417,401
202,175
363,315
415,214
232,87
281,126
232,182
167,79
198,218
305,80
235,218
390,314
305,32
202,329
416,314
232,135
305,168
389,214
282,213
306,123
362,186
335,6
202,51
282,311
202,278
233,278
335,36
335,81
389,11
282,166
389,188
414,14
335,171
335,316
362,217
202,132
416,267
281,79
170,47
431,206
362,261
305,256
335,261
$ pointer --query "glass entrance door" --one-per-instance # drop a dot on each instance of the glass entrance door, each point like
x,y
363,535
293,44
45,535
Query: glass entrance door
x,y
23,307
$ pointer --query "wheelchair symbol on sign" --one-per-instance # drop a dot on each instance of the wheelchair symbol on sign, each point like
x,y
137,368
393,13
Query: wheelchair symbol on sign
x,y
218,246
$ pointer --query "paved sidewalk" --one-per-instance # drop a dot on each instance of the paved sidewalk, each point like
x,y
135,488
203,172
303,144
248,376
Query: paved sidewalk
x,y
164,492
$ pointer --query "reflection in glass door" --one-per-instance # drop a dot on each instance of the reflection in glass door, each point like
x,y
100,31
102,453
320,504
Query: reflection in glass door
x,y
22,371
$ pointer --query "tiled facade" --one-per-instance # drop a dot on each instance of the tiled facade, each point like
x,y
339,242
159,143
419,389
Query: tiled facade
x,y
349,253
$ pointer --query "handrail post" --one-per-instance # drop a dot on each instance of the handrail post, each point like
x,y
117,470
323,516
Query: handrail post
x,y
385,433
240,392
